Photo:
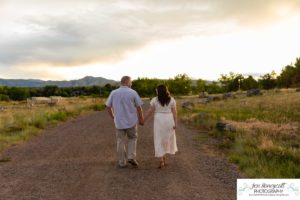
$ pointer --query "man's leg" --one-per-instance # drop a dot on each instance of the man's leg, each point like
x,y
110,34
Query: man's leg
x,y
132,142
121,151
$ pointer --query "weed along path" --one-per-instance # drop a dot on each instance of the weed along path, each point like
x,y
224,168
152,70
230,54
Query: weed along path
x,y
77,160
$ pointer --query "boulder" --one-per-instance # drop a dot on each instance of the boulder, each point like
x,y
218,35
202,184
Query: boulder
x,y
210,98
187,105
224,126
203,100
217,98
253,92
203,95
228,95
277,90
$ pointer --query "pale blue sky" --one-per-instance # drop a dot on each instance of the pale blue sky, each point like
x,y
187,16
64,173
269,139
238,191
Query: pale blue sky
x,y
53,39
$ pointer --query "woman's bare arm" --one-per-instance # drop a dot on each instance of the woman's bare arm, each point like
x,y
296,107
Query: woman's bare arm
x,y
174,112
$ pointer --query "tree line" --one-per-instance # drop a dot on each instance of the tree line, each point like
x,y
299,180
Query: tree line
x,y
184,85
181,84
288,78
22,93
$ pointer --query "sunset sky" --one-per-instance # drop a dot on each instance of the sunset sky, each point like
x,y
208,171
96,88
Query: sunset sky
x,y
70,39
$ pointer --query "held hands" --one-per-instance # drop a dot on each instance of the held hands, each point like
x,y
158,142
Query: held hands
x,y
175,126
141,122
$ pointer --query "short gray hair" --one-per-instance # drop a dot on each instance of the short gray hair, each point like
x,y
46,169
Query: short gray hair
x,y
125,79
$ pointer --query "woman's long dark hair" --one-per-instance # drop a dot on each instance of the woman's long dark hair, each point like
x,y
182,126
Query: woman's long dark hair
x,y
163,95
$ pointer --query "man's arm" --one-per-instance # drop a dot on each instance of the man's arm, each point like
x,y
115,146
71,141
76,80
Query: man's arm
x,y
140,115
110,112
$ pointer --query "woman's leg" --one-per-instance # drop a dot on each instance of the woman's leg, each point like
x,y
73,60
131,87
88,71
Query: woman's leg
x,y
161,162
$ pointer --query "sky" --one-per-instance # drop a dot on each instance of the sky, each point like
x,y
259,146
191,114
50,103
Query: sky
x,y
70,39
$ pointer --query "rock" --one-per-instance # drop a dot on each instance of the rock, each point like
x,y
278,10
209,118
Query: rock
x,y
223,126
213,98
228,95
220,126
277,90
230,127
187,105
298,90
203,95
52,104
217,98
253,92
203,100
210,98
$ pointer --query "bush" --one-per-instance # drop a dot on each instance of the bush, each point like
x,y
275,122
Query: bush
x,y
4,97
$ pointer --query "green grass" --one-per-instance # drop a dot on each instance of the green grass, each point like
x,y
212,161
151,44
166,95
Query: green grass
x,y
266,142
97,107
19,123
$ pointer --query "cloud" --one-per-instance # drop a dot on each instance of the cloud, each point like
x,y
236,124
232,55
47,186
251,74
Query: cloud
x,y
68,40
72,33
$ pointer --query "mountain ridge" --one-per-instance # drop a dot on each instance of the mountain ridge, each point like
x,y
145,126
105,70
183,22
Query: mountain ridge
x,y
85,81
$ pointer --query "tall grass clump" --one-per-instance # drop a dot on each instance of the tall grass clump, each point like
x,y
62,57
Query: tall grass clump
x,y
263,138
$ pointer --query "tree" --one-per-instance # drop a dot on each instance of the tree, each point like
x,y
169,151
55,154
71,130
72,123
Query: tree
x,y
231,82
180,85
296,76
3,94
18,93
4,97
286,77
268,81
145,86
214,88
249,83
290,75
50,90
201,85
105,91
4,90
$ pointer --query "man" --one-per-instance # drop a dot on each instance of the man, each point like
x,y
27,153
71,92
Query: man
x,y
124,107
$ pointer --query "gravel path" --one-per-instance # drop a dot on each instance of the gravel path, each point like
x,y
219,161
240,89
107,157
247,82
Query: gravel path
x,y
77,160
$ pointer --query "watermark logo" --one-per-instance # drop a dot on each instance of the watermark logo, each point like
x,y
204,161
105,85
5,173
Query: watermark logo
x,y
256,189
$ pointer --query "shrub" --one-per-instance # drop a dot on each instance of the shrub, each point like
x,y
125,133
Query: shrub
x,y
4,97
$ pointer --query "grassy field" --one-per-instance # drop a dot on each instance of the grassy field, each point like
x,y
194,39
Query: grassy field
x,y
19,122
263,134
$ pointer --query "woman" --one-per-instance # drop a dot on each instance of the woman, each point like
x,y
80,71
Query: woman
x,y
165,121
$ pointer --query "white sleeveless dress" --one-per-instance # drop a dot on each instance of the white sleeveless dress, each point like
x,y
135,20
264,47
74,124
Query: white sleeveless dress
x,y
164,134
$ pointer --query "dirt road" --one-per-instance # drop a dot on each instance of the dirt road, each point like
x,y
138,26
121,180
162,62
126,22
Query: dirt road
x,y
77,160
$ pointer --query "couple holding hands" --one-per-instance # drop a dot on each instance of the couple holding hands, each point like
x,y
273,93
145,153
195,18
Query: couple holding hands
x,y
124,107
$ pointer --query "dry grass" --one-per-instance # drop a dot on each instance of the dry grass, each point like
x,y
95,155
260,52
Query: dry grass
x,y
266,140
19,122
